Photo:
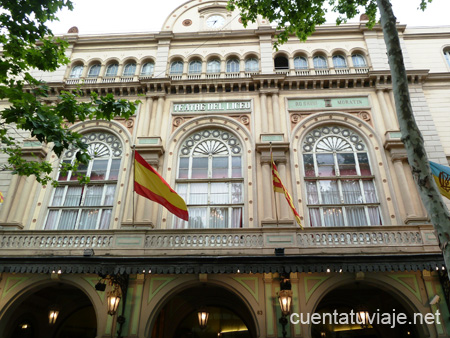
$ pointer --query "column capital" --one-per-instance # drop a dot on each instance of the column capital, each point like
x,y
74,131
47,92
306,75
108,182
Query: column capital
x,y
279,151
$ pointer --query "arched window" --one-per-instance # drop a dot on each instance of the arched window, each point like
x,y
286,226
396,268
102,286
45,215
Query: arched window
x,y
210,180
233,66
112,69
300,62
85,207
358,60
281,62
176,68
195,67
130,69
447,56
339,61
76,72
147,68
251,65
213,66
339,181
94,71
320,62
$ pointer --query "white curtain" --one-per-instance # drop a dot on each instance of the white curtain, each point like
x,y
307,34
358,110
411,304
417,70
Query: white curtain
x,y
236,193
109,196
93,195
198,193
356,216
58,196
314,216
51,220
219,193
73,196
236,218
105,219
369,191
374,216
218,218
88,219
329,192
197,218
313,195
68,220
332,217
352,192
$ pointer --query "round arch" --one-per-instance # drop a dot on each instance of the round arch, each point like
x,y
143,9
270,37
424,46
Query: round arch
x,y
221,292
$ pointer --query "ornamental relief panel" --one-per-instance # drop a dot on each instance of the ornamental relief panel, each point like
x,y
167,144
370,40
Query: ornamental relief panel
x,y
243,119
296,117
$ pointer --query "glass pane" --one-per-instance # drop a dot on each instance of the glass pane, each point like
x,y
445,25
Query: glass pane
x,y
93,195
320,62
57,197
198,193
236,193
236,218
94,71
147,69
183,167
109,197
130,69
199,167
308,162
347,165
68,219
325,165
114,171
374,216
98,171
218,218
339,61
364,166
369,191
88,219
356,216
64,178
105,219
51,220
195,67
112,70
213,67
300,63
314,217
220,167
332,217
313,195
181,190
236,170
82,171
219,193
233,66
351,191
197,218
329,192
73,196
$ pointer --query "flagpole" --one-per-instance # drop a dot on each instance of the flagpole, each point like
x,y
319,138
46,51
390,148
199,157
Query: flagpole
x,y
133,165
274,195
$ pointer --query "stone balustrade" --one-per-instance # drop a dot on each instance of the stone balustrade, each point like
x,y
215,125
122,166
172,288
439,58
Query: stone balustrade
x,y
370,240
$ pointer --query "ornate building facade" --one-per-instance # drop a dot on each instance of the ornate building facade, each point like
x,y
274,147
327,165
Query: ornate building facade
x,y
216,99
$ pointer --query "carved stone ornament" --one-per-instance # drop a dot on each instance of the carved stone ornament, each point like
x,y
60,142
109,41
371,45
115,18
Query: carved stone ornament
x,y
244,119
187,22
295,118
178,121
73,29
365,116
129,123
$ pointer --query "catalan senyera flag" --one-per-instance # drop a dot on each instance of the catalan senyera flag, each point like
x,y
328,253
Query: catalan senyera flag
x,y
441,175
148,183
1,198
279,187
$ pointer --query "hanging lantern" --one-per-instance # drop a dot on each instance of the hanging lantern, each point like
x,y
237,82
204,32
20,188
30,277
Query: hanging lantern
x,y
53,314
363,317
285,298
203,315
113,300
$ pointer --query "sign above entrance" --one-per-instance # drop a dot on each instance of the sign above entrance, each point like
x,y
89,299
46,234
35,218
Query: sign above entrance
x,y
337,103
218,107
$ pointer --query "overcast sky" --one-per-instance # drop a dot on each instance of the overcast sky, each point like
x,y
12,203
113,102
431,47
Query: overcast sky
x,y
119,16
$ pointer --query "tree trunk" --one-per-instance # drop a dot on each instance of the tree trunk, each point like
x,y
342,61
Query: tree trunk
x,y
411,136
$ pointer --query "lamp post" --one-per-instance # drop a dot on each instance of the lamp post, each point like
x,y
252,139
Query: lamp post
x,y
113,300
285,299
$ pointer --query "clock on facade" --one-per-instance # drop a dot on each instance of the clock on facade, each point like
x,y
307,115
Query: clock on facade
x,y
215,21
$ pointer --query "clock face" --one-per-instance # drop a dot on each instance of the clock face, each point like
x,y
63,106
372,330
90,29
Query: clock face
x,y
215,21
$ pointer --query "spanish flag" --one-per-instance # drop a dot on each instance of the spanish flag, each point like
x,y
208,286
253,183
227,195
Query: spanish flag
x,y
148,183
279,187
441,175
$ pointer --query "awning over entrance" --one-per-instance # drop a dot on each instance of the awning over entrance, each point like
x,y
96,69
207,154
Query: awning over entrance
x,y
226,264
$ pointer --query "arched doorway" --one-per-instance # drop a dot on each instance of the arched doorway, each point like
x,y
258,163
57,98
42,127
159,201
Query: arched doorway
x,y
75,318
369,306
229,316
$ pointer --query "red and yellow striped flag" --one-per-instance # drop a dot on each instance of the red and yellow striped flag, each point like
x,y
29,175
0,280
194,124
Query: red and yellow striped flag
x,y
148,183
279,187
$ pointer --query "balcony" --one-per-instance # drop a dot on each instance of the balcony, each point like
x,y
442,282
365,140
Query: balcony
x,y
376,240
